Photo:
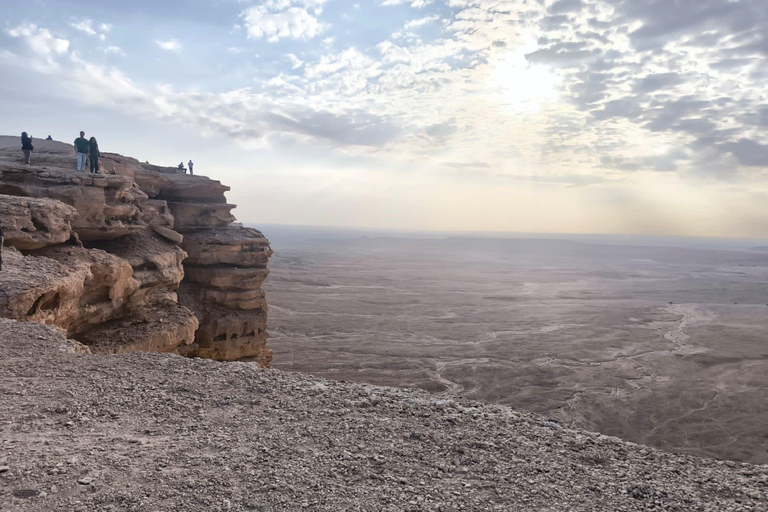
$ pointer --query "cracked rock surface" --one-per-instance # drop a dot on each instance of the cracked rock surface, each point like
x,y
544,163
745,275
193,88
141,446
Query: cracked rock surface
x,y
144,432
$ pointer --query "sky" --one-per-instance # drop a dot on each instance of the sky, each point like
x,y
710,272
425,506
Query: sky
x,y
567,116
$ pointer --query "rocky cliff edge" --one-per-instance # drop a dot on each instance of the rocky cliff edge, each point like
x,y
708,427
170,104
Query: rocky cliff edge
x,y
138,258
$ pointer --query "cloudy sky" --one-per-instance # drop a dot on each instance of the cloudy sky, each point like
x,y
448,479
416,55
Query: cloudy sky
x,y
569,116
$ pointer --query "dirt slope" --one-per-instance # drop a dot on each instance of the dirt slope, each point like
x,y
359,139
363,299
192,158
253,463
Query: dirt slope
x,y
153,432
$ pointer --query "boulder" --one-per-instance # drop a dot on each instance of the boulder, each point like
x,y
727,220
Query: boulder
x,y
157,213
156,263
161,326
67,286
172,185
30,223
233,245
168,234
194,216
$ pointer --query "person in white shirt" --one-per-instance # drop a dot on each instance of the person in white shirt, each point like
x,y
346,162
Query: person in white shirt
x,y
190,165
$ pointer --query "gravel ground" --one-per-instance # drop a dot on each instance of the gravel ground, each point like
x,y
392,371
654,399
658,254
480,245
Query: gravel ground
x,y
151,432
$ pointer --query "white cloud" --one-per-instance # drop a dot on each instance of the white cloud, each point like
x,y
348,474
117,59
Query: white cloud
x,y
416,4
410,25
40,40
116,50
172,45
85,26
511,82
296,63
88,27
280,19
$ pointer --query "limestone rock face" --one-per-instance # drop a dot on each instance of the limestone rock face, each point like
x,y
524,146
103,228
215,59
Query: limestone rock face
x,y
106,205
67,286
226,334
30,223
201,215
162,326
138,258
232,246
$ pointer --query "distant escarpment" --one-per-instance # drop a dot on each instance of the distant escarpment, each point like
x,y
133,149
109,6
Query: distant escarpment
x,y
138,258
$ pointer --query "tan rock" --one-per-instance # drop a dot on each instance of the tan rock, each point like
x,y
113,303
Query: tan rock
x,y
168,234
227,278
171,185
30,223
157,213
119,294
156,263
233,245
66,286
106,205
233,299
193,216
225,334
156,327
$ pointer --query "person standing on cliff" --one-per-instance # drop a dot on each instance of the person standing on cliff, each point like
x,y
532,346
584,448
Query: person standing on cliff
x,y
81,150
94,154
26,147
191,165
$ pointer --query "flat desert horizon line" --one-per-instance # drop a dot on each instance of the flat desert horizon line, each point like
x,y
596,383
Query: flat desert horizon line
x,y
689,241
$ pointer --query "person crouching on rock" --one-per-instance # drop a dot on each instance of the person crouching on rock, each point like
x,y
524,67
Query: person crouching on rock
x,y
81,150
26,147
93,152
2,240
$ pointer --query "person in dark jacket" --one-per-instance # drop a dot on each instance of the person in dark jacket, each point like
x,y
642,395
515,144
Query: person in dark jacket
x,y
81,150
26,147
93,154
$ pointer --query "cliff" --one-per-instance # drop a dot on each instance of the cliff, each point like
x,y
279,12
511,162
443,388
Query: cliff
x,y
138,258
140,432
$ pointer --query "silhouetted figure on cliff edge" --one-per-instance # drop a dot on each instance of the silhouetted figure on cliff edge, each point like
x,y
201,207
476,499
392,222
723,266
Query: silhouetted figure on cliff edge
x,y
81,150
181,168
94,154
49,138
2,240
191,166
26,147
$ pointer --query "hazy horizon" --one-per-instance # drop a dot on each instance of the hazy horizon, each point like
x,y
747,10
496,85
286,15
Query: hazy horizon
x,y
331,233
558,116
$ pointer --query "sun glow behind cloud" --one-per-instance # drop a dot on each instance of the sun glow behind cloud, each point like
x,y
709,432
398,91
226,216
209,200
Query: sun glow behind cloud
x,y
559,115
522,86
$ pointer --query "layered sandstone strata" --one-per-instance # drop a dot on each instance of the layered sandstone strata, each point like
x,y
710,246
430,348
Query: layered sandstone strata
x,y
225,267
105,257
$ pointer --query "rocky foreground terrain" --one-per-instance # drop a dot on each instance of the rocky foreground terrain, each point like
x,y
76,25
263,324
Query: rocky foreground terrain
x,y
138,258
144,432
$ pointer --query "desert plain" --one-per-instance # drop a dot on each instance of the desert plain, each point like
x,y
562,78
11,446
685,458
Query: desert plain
x,y
659,345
